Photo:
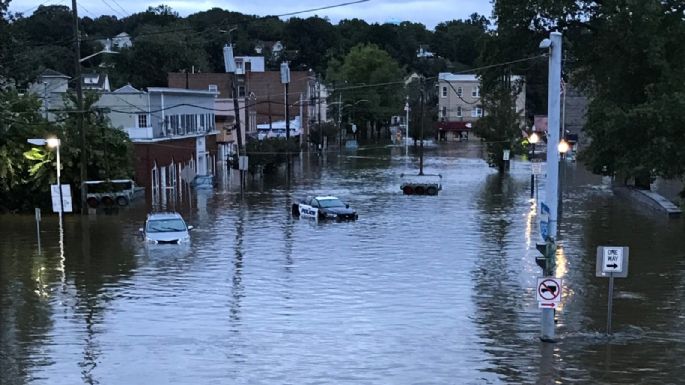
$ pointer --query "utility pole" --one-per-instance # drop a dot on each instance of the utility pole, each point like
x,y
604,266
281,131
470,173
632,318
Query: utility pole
x,y
285,79
552,185
45,99
79,107
406,128
340,120
421,123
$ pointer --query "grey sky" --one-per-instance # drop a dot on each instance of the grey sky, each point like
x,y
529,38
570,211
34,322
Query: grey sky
x,y
428,12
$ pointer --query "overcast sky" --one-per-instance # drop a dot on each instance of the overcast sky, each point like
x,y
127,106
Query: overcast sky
x,y
428,12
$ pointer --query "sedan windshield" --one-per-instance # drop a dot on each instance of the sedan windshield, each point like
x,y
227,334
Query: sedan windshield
x,y
166,225
328,203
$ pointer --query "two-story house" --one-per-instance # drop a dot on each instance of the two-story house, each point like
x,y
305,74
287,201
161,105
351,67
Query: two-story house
x,y
50,87
173,132
460,105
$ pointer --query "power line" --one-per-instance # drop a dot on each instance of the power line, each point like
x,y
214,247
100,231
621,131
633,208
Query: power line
x,y
322,8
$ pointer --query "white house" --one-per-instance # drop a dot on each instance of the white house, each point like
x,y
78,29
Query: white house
x,y
50,87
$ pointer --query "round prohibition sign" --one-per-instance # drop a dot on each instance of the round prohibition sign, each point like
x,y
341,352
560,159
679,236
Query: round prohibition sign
x,y
549,289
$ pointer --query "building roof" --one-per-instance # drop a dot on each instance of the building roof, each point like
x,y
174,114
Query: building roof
x,y
127,89
450,77
48,73
168,90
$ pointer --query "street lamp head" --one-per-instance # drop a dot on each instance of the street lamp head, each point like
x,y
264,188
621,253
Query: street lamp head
x,y
36,141
563,147
52,142
533,138
545,43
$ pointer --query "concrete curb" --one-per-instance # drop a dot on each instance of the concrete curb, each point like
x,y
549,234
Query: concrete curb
x,y
652,200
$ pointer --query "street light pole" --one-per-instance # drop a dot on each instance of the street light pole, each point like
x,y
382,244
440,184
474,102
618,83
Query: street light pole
x,y
554,44
533,139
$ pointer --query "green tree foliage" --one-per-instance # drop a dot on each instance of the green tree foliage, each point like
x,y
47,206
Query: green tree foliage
x,y
459,40
311,38
156,53
635,118
501,125
368,74
26,171
20,120
423,100
267,154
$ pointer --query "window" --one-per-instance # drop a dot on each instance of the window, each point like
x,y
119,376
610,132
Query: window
x,y
460,91
459,111
444,111
477,112
475,92
444,91
202,121
241,91
142,120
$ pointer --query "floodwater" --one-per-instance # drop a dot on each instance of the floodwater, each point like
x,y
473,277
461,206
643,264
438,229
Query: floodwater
x,y
420,290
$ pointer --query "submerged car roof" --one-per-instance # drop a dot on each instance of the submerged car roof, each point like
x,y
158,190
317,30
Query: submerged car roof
x,y
325,197
164,216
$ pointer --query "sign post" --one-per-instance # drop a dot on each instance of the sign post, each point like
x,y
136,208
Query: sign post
x,y
612,262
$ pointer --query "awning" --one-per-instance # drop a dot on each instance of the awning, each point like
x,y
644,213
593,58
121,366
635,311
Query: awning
x,y
455,126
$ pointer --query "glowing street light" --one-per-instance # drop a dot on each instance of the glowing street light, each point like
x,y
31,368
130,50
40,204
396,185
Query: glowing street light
x,y
563,147
53,143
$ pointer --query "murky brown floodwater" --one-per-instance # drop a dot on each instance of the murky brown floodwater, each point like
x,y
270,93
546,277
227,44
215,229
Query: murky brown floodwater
x,y
421,290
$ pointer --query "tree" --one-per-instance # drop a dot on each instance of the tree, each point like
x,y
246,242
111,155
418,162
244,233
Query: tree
x,y
19,120
368,74
459,40
312,38
157,52
635,118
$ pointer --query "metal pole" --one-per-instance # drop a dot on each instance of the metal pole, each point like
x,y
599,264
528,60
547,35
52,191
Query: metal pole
x,y
45,99
421,123
532,174
406,129
79,106
59,185
610,302
236,108
287,116
340,118
552,185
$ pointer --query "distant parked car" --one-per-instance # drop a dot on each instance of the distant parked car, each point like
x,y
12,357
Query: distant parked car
x,y
324,207
165,228
201,182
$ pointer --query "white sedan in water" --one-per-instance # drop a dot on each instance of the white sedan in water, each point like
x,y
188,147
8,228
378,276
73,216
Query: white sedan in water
x,y
165,228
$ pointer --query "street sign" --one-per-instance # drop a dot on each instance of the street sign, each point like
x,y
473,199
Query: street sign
x,y
66,198
242,163
612,261
549,291
544,220
505,155
537,168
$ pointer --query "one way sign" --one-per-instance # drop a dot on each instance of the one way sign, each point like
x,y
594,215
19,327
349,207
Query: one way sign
x,y
612,261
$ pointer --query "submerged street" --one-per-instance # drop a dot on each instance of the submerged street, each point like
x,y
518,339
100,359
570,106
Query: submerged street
x,y
419,290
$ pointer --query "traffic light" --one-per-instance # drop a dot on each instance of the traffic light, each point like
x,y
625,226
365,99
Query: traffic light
x,y
546,260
